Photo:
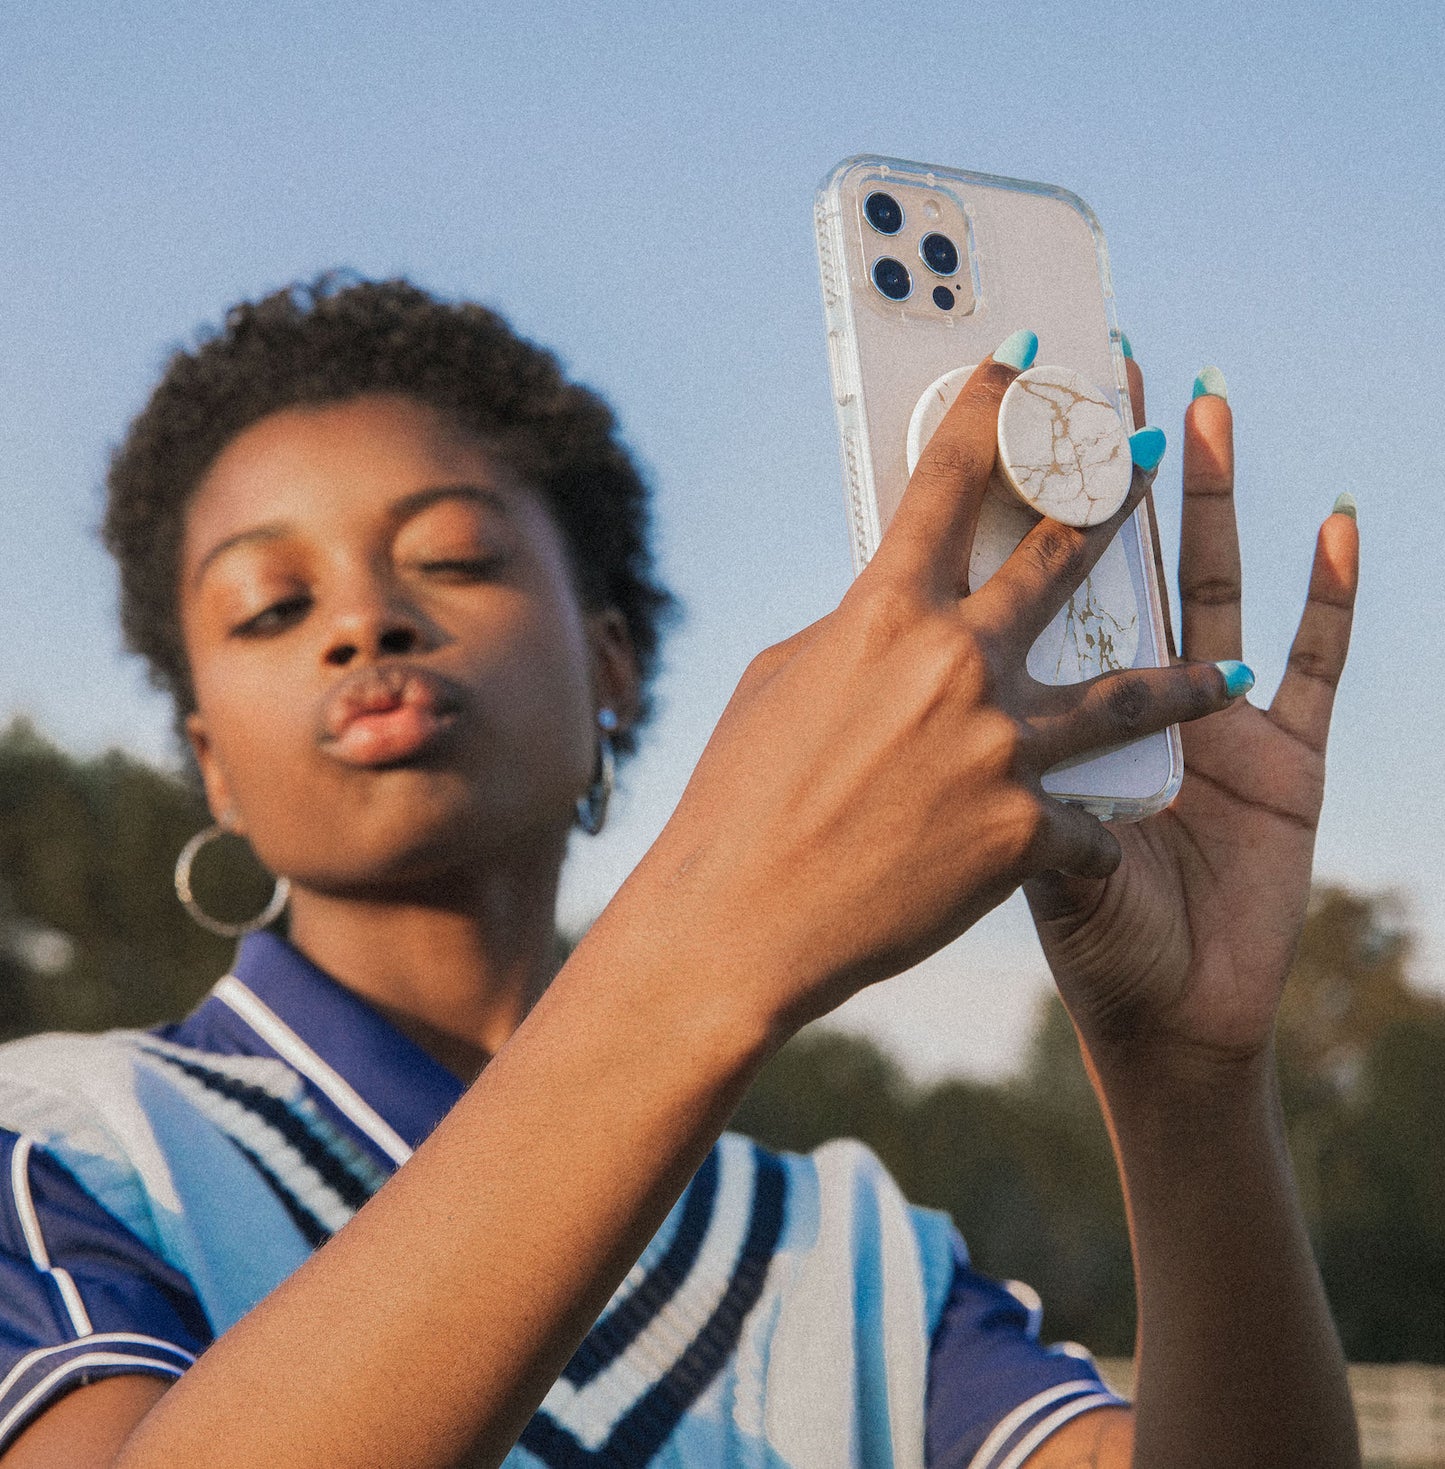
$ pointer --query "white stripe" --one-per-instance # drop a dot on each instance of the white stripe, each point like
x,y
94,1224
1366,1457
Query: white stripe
x,y
130,1338
70,1294
274,1150
1055,1421
1030,1300
905,1328
35,1240
25,1205
592,1411
90,1359
285,1042
1009,1426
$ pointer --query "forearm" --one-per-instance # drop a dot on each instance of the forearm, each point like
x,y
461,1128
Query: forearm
x,y
427,1331
1239,1362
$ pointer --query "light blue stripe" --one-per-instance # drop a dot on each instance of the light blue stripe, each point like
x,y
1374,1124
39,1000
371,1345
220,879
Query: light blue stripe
x,y
939,1243
869,1363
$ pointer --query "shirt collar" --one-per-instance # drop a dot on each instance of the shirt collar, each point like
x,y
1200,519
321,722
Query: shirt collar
x,y
277,1002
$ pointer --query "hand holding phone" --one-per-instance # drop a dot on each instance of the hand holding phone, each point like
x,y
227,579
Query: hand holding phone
x,y
924,271
875,784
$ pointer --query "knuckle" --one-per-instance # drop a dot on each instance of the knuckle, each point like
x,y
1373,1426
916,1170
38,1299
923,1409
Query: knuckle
x,y
1005,741
1128,702
974,669
1208,483
881,609
1056,544
947,461
1312,664
1028,825
1211,591
763,666
958,664
1050,546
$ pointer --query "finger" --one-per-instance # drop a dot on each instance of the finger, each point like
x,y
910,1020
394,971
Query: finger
x,y
1022,597
1072,719
1056,896
1209,577
1073,842
931,534
1306,695
1136,403
1135,375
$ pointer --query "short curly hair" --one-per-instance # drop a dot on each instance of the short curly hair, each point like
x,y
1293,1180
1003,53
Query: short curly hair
x,y
337,338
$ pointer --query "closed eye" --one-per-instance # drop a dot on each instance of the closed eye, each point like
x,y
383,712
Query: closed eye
x,y
275,618
465,569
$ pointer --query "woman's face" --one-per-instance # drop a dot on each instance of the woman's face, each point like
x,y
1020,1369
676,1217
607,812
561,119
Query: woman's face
x,y
394,675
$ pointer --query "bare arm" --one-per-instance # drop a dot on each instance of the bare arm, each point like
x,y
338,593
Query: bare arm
x,y
86,1428
872,789
1172,969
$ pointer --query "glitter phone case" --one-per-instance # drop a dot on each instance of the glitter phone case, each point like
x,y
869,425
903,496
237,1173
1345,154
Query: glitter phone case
x,y
924,271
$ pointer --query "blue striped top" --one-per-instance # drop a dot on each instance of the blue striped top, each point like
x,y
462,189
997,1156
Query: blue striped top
x,y
791,1310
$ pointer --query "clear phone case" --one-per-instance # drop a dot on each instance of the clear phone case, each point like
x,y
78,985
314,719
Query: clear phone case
x,y
1024,255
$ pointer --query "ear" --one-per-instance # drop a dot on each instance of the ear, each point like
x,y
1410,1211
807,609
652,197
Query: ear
x,y
616,678
218,790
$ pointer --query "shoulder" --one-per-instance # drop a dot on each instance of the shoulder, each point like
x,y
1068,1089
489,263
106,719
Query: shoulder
x,y
60,1082
75,1098
848,1215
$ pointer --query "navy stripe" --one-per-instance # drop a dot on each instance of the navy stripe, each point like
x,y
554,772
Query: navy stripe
x,y
648,1424
280,1118
315,1232
617,1331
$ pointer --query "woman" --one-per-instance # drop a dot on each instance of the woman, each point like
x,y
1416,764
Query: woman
x,y
392,569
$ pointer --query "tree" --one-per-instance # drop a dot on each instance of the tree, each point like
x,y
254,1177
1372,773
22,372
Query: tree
x,y
1027,1172
87,850
91,936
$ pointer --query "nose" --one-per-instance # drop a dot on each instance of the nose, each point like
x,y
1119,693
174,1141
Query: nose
x,y
373,623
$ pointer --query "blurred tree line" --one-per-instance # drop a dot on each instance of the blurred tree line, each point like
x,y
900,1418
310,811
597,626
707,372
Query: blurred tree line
x,y
91,936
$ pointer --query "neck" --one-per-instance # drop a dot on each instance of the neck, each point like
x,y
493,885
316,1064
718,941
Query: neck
x,y
457,978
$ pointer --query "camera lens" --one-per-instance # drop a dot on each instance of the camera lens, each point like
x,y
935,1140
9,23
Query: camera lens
x,y
884,213
943,298
939,254
892,278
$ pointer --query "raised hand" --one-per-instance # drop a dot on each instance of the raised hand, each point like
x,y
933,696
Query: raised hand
x,y
874,785
1188,942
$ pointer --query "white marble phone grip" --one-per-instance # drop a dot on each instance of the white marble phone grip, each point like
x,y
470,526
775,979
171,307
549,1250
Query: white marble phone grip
x,y
1062,448
1097,630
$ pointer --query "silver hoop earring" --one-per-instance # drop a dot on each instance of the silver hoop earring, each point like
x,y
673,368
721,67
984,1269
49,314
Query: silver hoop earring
x,y
592,808
269,913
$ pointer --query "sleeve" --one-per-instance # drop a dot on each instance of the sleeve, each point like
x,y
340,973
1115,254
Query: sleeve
x,y
81,1297
995,1392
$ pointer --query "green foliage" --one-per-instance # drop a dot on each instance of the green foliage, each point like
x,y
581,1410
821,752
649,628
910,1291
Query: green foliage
x,y
1027,1172
87,851
91,936
1025,1169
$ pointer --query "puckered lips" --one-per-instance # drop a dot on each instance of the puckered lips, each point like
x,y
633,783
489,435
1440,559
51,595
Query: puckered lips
x,y
388,714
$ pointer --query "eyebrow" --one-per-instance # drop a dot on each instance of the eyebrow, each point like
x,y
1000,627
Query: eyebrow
x,y
402,511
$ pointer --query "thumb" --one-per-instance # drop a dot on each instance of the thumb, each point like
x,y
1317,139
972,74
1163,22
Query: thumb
x,y
1062,899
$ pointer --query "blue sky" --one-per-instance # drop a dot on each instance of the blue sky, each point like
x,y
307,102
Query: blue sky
x,y
632,185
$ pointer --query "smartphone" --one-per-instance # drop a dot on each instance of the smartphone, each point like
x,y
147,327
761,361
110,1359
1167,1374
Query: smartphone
x,y
925,270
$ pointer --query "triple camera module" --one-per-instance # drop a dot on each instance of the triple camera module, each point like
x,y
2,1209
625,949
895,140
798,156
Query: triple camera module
x,y
891,277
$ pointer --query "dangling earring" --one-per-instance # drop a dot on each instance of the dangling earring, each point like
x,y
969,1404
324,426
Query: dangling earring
x,y
592,808
183,891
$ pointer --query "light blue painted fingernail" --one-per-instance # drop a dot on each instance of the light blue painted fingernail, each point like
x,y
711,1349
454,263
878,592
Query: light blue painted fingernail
x,y
1124,343
1345,505
1211,383
1018,350
1147,448
1238,677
